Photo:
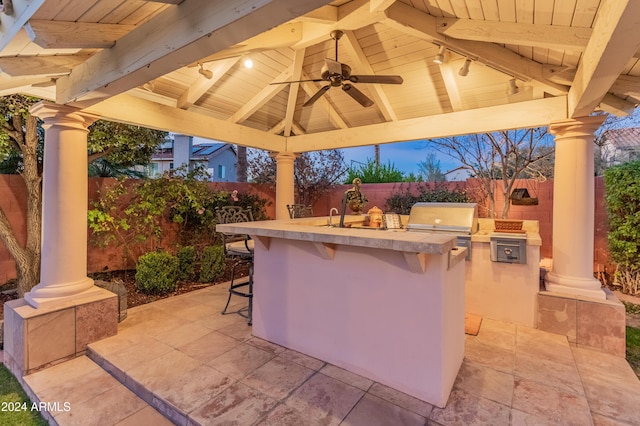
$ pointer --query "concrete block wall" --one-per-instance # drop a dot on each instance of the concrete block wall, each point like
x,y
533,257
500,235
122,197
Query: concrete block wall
x,y
13,203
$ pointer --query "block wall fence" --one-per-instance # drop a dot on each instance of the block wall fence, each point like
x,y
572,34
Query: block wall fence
x,y
13,203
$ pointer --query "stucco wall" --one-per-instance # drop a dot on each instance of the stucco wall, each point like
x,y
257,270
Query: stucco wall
x,y
13,203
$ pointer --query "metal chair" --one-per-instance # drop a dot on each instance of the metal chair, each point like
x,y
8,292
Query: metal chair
x,y
299,210
238,248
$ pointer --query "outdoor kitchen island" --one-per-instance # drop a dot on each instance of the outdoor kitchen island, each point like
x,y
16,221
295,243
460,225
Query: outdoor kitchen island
x,y
388,305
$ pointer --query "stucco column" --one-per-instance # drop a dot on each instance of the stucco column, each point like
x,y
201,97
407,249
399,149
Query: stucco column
x,y
573,209
284,183
63,273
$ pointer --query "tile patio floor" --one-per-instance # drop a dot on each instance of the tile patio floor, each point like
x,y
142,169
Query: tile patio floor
x,y
182,362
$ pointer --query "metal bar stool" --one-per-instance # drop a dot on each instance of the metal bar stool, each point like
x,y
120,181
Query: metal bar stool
x,y
299,210
238,248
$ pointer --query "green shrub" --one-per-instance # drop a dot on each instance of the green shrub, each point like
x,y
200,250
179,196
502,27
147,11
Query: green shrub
x,y
622,187
401,201
212,264
157,273
186,263
372,172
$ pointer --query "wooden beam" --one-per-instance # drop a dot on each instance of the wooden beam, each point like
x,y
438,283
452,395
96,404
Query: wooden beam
x,y
40,65
360,60
324,15
448,73
520,115
379,5
423,26
522,34
282,36
80,35
11,24
202,84
268,92
175,37
616,39
166,1
616,106
132,110
296,74
626,84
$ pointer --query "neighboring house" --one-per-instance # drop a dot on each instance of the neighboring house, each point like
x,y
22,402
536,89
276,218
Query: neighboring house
x,y
219,158
620,146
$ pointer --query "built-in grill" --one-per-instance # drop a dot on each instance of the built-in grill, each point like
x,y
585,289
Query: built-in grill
x,y
459,219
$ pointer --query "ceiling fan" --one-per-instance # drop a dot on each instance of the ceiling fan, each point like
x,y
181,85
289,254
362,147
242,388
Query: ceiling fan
x,y
339,75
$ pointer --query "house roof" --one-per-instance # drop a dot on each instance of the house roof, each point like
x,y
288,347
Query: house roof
x,y
202,151
623,138
177,65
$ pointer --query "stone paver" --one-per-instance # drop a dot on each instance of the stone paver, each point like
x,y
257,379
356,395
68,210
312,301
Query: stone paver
x,y
203,368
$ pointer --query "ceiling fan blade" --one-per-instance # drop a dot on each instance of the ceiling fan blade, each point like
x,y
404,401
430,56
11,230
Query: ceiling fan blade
x,y
379,79
316,96
297,81
360,97
334,67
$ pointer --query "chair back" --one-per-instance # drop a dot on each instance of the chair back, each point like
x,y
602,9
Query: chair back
x,y
235,214
299,210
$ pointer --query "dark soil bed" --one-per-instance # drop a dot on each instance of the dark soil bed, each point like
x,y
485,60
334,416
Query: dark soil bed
x,y
128,278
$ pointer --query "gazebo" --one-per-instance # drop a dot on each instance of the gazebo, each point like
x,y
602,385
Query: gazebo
x,y
255,73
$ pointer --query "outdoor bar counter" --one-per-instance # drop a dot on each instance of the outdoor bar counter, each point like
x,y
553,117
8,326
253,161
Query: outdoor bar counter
x,y
388,305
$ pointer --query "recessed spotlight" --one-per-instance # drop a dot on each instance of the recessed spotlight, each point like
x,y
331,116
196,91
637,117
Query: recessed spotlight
x,y
248,63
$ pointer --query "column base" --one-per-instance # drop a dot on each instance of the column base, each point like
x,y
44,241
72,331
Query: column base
x,y
38,338
51,295
583,287
586,322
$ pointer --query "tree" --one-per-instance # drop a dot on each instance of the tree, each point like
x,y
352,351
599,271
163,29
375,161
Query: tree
x,y
604,151
508,155
373,172
21,139
314,172
430,169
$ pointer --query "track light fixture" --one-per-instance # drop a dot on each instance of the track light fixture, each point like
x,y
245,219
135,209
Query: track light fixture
x,y
439,59
464,71
205,73
513,87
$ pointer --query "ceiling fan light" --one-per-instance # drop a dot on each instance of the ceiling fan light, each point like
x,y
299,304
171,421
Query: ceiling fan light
x,y
208,74
464,71
513,87
439,59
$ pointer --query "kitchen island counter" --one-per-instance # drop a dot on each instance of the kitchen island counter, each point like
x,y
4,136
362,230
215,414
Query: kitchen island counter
x,y
386,305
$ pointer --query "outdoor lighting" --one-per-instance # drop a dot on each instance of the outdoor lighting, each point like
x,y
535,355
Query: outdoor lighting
x,y
513,88
439,59
248,63
206,73
464,71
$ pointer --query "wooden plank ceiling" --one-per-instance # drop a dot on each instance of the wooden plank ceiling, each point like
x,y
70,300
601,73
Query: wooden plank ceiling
x,y
179,65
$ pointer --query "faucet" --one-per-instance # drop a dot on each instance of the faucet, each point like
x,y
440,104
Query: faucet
x,y
333,209
344,209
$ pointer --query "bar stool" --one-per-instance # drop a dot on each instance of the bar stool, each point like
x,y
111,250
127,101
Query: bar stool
x,y
299,210
238,248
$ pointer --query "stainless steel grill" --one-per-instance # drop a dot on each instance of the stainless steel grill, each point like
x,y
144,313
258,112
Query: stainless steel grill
x,y
459,219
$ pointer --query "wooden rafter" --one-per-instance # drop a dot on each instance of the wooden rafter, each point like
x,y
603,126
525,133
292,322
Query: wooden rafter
x,y
202,84
11,24
296,74
261,98
81,35
45,65
379,96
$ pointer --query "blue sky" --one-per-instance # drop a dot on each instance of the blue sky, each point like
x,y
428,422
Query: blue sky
x,y
405,156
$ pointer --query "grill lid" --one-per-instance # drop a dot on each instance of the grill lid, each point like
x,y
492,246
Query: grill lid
x,y
443,217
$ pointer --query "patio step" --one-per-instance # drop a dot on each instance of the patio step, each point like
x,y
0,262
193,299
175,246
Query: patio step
x,y
165,407
79,391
